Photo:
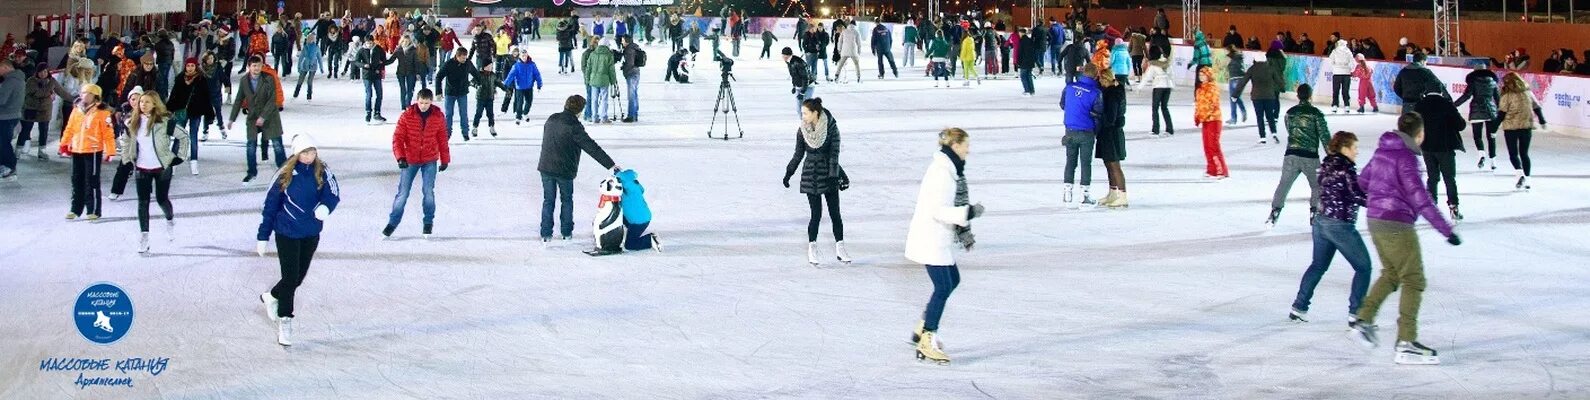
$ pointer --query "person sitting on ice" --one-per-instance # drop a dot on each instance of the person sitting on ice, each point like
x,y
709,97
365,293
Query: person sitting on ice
x,y
637,215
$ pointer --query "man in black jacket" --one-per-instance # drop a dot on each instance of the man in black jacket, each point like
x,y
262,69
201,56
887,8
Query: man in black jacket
x,y
371,62
1442,140
800,78
453,81
1027,56
1414,81
631,69
562,139
484,47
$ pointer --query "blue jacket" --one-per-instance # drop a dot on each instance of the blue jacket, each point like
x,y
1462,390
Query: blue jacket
x,y
523,75
292,213
1120,60
1081,103
309,58
634,201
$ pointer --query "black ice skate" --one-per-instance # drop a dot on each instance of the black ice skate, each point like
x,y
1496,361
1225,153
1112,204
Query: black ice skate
x,y
1363,334
1298,316
1275,213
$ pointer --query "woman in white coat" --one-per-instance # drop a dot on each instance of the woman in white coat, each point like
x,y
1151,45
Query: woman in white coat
x,y
941,223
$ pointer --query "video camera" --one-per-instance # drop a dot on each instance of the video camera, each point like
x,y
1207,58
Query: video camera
x,y
725,64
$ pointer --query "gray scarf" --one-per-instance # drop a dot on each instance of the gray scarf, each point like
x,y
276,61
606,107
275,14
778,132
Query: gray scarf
x,y
816,134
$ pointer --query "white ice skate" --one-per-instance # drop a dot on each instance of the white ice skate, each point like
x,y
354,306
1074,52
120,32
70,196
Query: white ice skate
x,y
270,305
143,243
284,331
1413,353
840,253
811,254
1298,316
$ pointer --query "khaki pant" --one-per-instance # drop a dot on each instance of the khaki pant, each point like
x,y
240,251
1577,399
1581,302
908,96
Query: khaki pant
x,y
1401,265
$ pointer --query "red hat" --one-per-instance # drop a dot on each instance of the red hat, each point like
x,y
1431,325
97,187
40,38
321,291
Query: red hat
x,y
191,61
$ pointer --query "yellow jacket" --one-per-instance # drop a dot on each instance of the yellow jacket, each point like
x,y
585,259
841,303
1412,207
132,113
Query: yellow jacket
x,y
89,132
968,49
503,41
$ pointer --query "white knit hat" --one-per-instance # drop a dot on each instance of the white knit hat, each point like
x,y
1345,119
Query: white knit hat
x,y
136,90
302,142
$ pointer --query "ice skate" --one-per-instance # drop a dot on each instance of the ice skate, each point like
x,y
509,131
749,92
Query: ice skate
x,y
1108,198
656,244
1120,200
386,233
916,334
811,254
171,230
840,253
284,331
113,197
71,216
927,349
1523,183
1481,165
1276,138
1363,334
91,217
1297,316
1264,141
41,155
193,167
1414,353
426,231
143,243
1087,200
270,304
1275,214
493,130
1456,216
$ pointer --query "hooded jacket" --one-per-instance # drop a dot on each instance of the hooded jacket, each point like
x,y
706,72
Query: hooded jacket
x,y
1120,60
1414,81
634,201
291,212
1392,182
598,67
1516,109
1342,61
1482,89
1156,74
1340,196
1443,124
523,76
88,132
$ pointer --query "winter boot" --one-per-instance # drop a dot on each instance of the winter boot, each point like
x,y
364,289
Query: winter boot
x,y
840,253
927,348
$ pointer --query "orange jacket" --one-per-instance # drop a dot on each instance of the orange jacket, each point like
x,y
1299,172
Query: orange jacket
x,y
1206,99
89,132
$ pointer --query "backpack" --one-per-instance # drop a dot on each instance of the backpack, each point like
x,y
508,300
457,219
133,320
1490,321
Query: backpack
x,y
640,58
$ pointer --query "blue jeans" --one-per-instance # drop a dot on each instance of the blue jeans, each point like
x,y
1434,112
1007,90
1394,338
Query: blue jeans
x,y
945,279
1054,57
633,82
194,122
590,101
1026,80
801,97
457,105
372,88
405,91
281,152
1236,98
560,190
427,190
635,237
565,60
1331,236
600,102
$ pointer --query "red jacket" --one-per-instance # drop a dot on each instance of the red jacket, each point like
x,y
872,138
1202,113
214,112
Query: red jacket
x,y
421,139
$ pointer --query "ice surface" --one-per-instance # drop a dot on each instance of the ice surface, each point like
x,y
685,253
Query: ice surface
x,y
1182,296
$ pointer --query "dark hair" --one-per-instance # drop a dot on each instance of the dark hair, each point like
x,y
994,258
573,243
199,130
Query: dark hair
x,y
1418,56
427,94
1340,141
460,52
1410,122
574,104
788,52
255,59
815,104
1304,91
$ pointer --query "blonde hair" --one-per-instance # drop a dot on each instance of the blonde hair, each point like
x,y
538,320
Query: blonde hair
x,y
284,176
952,136
157,115
1513,83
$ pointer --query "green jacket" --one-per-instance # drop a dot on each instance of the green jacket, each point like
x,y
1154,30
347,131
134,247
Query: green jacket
x,y
598,67
910,35
939,49
1305,131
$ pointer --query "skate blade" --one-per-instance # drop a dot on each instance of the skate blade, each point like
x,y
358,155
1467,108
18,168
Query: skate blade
x,y
924,358
1417,359
1352,334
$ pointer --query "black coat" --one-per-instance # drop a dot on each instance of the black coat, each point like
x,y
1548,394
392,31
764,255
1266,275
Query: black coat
x,y
1111,144
820,169
1027,52
799,75
408,61
193,97
372,63
1413,82
453,78
563,137
1443,124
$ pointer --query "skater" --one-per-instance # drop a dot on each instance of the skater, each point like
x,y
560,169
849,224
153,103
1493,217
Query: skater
x,y
1443,138
420,146
1366,87
219,80
308,60
124,172
89,138
847,43
1305,136
409,71
13,87
637,215
968,64
1395,203
800,78
1414,81
600,77
1483,89
940,225
371,63
767,44
816,46
882,48
190,101
563,137
264,125
1083,104
302,185
1266,81
822,177
1335,228
633,59
938,58
486,86
1157,76
1341,60
452,80
148,148
1207,114
38,105
566,35
1517,128
1027,57
1236,81
1111,146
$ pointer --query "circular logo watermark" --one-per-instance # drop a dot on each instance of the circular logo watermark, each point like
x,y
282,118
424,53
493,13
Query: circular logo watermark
x,y
103,313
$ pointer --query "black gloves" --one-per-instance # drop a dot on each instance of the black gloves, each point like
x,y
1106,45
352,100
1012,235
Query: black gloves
x,y
403,164
973,212
786,180
176,161
443,168
1454,240
793,90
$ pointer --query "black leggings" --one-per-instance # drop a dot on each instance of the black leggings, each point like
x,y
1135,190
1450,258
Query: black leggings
x,y
159,181
486,108
1161,104
1518,148
1486,130
1339,88
294,256
816,202
1441,166
945,279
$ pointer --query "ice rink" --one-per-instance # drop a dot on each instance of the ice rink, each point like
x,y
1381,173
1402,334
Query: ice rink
x,y
1182,296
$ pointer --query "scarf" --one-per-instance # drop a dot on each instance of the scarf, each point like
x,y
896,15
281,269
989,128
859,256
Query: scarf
x,y
963,234
816,134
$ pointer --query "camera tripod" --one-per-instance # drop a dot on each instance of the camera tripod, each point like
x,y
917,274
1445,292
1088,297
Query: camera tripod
x,y
726,104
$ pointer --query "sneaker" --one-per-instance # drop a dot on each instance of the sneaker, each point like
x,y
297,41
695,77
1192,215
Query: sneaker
x,y
1298,316
1414,353
1363,334
284,331
270,304
386,233
92,217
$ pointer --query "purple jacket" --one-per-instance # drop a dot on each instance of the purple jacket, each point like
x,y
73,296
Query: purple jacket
x,y
1395,191
1339,192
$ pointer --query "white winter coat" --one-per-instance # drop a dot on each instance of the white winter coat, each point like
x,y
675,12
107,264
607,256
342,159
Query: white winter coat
x,y
849,42
1342,60
931,239
1155,76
